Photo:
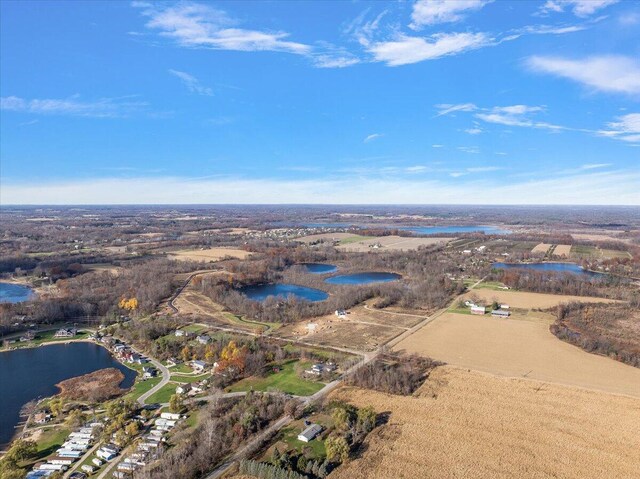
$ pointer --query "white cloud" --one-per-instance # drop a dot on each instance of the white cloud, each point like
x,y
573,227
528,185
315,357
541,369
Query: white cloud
x,y
589,187
580,8
593,166
192,83
516,115
611,73
469,149
626,128
437,146
73,106
431,12
473,131
447,108
197,25
405,50
334,61
372,137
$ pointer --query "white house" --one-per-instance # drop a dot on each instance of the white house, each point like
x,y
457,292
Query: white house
x,y
309,433
198,365
477,309
183,388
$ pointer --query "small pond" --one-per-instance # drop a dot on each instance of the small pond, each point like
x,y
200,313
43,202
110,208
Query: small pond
x,y
319,268
556,267
14,293
363,278
260,292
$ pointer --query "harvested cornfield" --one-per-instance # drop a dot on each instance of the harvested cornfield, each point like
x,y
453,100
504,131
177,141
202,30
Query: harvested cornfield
x,y
521,347
391,243
208,255
463,424
525,300
541,248
562,250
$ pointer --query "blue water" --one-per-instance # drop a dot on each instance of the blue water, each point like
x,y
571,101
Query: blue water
x,y
260,292
430,230
557,267
14,293
320,268
30,373
363,278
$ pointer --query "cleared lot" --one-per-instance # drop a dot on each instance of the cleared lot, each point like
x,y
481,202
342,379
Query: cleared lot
x,y
208,255
466,424
519,348
393,243
562,250
525,300
541,248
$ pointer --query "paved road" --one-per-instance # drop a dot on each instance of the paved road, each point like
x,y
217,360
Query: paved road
x,y
166,375
368,357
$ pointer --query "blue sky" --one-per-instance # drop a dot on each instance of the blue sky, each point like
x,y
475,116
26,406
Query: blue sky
x,y
468,101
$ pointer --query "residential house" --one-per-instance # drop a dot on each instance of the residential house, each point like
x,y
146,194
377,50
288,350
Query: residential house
x,y
66,333
310,433
183,388
203,339
500,313
477,309
341,313
198,365
148,372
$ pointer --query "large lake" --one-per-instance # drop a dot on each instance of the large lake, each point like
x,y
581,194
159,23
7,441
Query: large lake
x,y
31,373
14,293
363,278
319,268
432,230
260,292
557,267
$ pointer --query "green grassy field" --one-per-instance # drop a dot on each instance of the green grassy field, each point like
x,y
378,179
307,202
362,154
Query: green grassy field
x,y
45,337
163,394
50,440
289,435
141,387
180,368
194,328
353,239
286,380
189,379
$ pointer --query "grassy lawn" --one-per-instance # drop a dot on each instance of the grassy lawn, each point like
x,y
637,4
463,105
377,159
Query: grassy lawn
x,y
141,387
164,394
47,336
50,440
493,285
290,437
189,379
181,368
353,239
286,380
453,309
194,328
192,419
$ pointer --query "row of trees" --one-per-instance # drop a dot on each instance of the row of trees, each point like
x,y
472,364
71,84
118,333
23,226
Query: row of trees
x,y
224,426
608,329
394,373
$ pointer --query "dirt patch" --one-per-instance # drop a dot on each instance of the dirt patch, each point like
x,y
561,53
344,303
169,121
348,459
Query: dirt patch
x,y
96,386
331,331
465,424
519,348
325,237
208,255
523,299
